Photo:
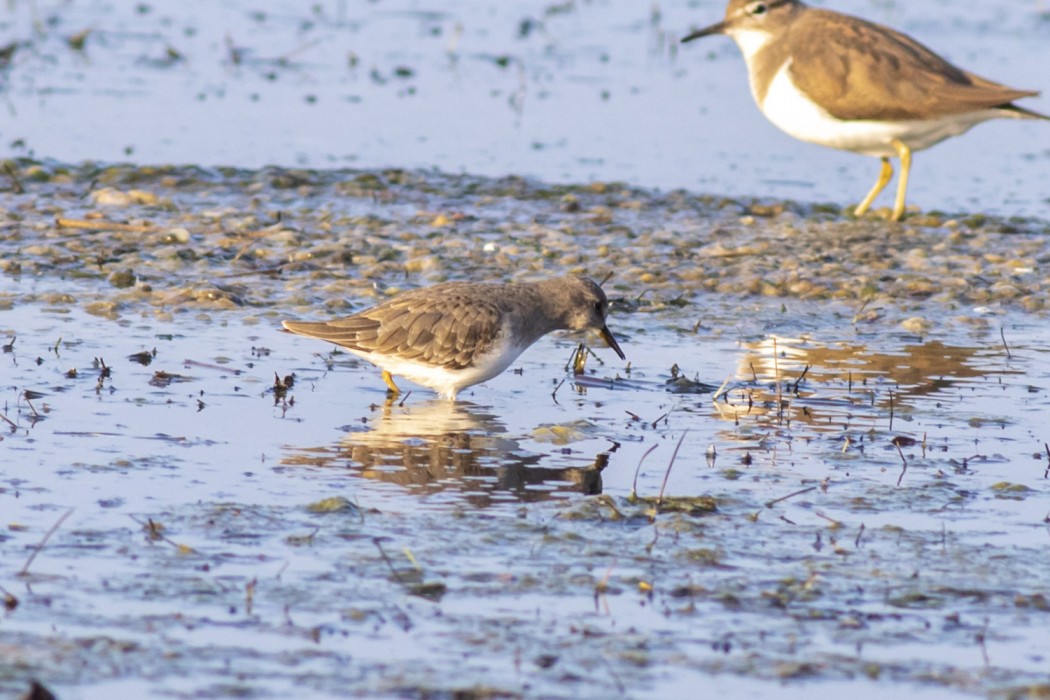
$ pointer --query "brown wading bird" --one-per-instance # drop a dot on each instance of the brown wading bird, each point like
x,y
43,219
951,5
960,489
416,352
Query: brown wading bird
x,y
843,82
454,335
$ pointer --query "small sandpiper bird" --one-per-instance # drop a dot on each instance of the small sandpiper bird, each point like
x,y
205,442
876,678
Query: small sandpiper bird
x,y
454,335
843,82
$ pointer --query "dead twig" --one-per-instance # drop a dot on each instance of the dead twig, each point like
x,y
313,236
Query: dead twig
x,y
554,394
667,474
980,637
903,460
780,391
661,418
638,469
719,392
155,530
249,595
1002,334
242,250
286,58
100,224
40,546
891,409
572,357
25,395
14,426
860,533
835,524
775,501
393,570
794,387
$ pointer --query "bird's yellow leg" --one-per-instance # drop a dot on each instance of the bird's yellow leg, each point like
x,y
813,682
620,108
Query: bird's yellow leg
x,y
389,380
902,182
884,177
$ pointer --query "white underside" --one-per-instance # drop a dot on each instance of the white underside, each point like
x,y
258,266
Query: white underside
x,y
796,114
791,111
447,382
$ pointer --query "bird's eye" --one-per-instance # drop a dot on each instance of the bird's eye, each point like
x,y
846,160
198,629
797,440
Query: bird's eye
x,y
759,8
599,307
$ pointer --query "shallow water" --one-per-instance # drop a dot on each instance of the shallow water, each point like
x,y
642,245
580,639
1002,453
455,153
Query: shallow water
x,y
876,524
564,91
863,509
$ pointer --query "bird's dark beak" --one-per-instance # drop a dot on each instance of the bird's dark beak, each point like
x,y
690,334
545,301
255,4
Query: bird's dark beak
x,y
706,31
607,336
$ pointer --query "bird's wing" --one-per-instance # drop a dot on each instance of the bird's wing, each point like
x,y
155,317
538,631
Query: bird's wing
x,y
443,331
900,79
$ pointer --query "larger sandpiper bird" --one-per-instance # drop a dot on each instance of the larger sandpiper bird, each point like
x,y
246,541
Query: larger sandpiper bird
x,y
454,335
843,82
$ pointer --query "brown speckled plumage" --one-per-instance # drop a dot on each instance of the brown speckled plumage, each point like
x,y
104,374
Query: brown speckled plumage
x,y
455,327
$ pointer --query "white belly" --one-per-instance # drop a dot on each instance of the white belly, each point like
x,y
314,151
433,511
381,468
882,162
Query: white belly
x,y
449,382
793,112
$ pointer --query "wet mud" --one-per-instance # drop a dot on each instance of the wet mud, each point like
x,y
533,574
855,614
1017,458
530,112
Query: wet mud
x,y
822,469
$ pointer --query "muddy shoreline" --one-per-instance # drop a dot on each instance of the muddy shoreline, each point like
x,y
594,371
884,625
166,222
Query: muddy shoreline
x,y
861,510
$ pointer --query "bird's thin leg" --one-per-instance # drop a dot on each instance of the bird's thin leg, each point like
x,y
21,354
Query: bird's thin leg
x,y
884,177
389,380
902,182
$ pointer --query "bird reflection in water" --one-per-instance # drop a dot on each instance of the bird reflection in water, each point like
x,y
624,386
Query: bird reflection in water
x,y
457,450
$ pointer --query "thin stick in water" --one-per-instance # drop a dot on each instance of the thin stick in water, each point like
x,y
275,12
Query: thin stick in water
x,y
891,411
9,421
905,468
667,474
794,389
390,564
554,394
634,484
860,533
776,372
719,392
47,536
775,501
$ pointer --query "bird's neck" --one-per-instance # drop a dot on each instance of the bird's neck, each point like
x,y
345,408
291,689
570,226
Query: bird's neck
x,y
543,311
765,52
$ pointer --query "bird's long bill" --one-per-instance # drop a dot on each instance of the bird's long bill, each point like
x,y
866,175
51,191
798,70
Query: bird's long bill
x,y
706,31
607,336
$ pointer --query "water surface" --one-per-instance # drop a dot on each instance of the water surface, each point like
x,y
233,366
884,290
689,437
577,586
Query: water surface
x,y
862,508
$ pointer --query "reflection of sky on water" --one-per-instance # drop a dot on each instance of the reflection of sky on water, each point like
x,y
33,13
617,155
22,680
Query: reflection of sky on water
x,y
844,548
565,92
231,474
